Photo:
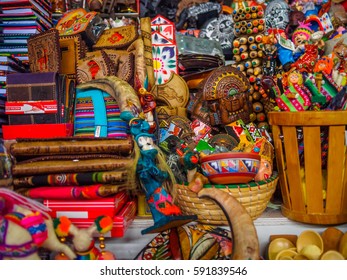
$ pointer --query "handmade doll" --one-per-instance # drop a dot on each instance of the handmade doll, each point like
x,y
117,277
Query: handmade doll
x,y
300,38
295,96
155,177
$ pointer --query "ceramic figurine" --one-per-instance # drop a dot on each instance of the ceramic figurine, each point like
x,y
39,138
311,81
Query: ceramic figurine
x,y
277,14
266,151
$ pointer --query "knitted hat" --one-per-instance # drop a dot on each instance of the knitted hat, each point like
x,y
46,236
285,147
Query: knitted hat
x,y
303,28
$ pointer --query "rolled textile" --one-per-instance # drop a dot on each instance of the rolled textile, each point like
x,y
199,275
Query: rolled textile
x,y
116,177
72,145
64,164
71,192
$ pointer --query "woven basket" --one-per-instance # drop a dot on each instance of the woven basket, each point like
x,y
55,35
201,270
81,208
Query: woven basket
x,y
253,196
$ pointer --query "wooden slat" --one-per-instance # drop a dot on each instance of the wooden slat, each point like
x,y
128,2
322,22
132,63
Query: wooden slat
x,y
313,169
281,167
344,184
308,118
336,152
293,168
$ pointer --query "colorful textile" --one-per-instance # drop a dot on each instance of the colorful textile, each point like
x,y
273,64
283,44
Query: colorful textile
x,y
72,179
71,192
85,118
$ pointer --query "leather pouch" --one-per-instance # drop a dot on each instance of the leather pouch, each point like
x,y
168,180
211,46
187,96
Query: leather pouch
x,y
165,112
124,63
94,65
34,98
71,49
117,38
223,97
89,24
44,52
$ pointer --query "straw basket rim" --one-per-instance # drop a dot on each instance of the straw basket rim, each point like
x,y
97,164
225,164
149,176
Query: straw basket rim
x,y
254,196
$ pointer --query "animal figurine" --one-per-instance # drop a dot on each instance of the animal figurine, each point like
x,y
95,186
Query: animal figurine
x,y
82,238
25,226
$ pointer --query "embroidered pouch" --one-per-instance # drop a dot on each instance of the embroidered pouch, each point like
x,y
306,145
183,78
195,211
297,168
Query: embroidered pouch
x,y
117,38
94,65
89,24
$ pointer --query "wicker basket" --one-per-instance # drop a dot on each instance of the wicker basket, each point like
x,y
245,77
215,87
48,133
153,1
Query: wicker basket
x,y
253,196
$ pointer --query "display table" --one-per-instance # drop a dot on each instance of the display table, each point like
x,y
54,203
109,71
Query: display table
x,y
271,222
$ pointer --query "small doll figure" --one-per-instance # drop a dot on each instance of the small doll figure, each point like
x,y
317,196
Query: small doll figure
x,y
300,38
296,88
148,104
295,96
154,177
269,67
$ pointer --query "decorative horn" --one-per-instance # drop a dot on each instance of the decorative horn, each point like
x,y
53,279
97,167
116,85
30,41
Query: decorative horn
x,y
245,238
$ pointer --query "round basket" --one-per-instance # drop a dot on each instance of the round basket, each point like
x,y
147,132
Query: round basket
x,y
253,196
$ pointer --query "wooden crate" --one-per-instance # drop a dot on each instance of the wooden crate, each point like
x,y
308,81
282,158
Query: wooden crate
x,y
310,193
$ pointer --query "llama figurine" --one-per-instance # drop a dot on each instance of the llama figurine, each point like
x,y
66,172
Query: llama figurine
x,y
83,238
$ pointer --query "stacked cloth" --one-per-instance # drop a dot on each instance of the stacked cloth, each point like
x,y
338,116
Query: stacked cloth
x,y
73,168
85,117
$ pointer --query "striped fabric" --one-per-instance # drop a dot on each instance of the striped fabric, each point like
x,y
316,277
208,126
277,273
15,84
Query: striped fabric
x,y
85,114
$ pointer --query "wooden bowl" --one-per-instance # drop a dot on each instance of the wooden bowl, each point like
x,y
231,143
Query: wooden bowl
x,y
277,245
230,167
310,244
